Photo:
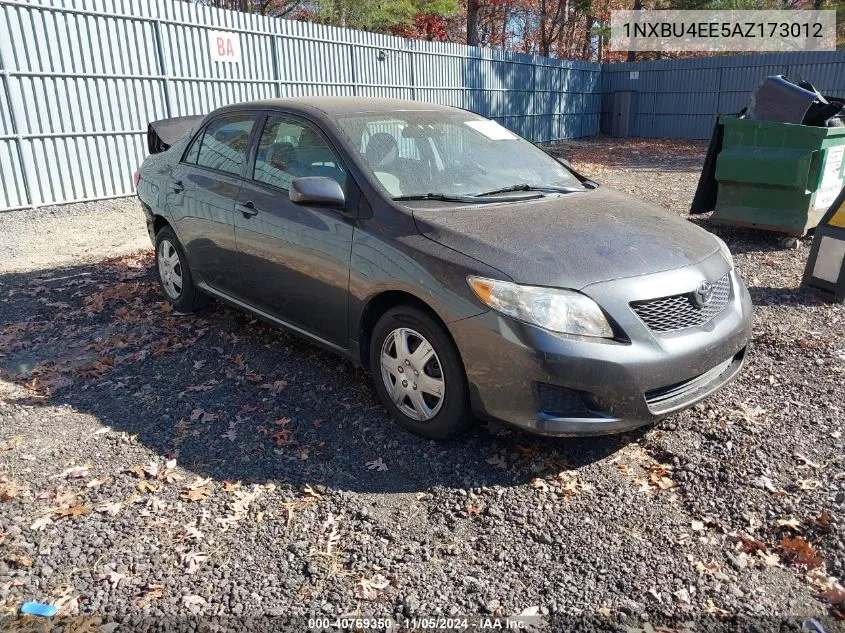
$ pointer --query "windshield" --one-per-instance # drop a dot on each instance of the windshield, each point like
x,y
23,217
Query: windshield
x,y
452,153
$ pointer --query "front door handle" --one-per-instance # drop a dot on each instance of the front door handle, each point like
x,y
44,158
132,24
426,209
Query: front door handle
x,y
177,186
247,208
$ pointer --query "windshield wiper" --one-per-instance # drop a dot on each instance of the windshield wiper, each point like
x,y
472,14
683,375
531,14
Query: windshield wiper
x,y
443,197
526,187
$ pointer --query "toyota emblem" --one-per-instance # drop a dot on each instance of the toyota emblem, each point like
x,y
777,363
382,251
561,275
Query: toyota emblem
x,y
704,293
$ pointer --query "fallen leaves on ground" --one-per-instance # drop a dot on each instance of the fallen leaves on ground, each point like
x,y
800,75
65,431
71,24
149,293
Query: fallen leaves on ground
x,y
198,491
377,465
239,505
498,461
799,552
275,387
152,591
74,511
10,489
368,588
192,561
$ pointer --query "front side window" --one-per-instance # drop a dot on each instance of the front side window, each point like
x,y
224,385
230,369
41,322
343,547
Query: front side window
x,y
290,149
414,153
223,144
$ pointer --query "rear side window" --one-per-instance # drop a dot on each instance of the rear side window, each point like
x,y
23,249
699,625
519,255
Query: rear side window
x,y
222,145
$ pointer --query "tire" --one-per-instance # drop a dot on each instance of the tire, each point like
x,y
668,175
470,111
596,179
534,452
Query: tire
x,y
436,418
174,275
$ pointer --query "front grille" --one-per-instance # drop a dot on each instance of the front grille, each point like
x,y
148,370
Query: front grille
x,y
681,311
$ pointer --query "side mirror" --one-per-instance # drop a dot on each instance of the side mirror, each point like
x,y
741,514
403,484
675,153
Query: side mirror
x,y
317,191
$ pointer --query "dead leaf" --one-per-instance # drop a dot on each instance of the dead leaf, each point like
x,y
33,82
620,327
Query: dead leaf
x,y
40,523
748,544
823,520
194,603
377,465
275,387
368,588
9,489
75,511
99,481
18,559
200,490
229,486
498,461
77,472
835,595
309,491
712,609
202,416
11,443
112,577
798,551
682,595
151,591
112,509
146,486
707,568
192,561
539,484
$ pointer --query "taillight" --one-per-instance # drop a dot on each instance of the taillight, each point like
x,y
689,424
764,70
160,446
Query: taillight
x,y
137,177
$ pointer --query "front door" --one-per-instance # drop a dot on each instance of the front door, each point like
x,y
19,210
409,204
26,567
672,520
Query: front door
x,y
201,198
294,259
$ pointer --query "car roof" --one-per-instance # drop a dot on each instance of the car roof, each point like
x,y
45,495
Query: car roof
x,y
339,106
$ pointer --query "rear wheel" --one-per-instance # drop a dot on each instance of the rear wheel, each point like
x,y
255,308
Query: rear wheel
x,y
175,275
418,374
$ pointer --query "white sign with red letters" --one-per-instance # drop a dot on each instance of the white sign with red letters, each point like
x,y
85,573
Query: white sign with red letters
x,y
225,46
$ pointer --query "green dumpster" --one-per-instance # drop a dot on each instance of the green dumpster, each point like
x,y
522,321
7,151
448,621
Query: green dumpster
x,y
777,176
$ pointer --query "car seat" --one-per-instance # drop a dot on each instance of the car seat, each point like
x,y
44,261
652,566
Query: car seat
x,y
381,154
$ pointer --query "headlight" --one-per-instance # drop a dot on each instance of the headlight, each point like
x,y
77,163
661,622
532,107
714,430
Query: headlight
x,y
557,310
725,250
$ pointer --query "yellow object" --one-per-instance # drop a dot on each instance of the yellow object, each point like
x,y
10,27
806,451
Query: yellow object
x,y
838,218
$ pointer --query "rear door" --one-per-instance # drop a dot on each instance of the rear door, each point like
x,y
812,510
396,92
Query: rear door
x,y
202,194
294,259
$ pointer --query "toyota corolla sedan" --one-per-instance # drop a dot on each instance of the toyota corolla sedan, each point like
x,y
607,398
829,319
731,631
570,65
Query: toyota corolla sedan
x,y
474,275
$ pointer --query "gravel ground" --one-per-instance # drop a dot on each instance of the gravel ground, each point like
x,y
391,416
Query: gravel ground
x,y
70,234
157,468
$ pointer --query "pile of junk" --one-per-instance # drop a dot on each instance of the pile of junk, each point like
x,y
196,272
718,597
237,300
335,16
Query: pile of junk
x,y
778,164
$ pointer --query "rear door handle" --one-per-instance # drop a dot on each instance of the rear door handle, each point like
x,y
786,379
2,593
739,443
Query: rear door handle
x,y
177,186
247,208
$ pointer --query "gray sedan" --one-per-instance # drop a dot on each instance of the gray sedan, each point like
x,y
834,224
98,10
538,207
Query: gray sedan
x,y
474,275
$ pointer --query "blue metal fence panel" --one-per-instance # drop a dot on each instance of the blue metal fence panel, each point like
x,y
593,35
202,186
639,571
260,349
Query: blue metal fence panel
x,y
82,78
682,98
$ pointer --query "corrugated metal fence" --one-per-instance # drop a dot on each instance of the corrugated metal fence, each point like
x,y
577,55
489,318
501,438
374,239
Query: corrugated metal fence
x,y
681,98
82,78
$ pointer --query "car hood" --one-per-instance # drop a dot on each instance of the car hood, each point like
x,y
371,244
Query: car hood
x,y
570,241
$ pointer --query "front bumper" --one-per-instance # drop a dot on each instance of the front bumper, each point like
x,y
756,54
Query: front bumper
x,y
512,366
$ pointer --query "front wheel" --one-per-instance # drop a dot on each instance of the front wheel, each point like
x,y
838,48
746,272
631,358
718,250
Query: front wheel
x,y
418,374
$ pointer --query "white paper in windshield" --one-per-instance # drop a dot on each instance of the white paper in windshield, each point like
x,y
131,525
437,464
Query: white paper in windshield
x,y
491,130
